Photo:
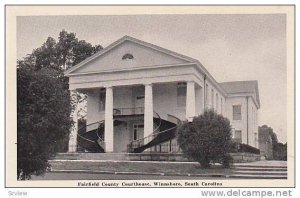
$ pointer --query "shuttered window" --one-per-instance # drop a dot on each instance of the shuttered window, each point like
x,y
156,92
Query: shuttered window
x,y
237,112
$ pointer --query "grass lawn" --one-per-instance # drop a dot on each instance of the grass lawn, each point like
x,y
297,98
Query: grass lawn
x,y
175,168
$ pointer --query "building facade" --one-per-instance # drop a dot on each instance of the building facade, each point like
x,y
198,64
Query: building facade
x,y
137,93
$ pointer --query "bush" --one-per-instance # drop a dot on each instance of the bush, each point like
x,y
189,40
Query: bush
x,y
206,139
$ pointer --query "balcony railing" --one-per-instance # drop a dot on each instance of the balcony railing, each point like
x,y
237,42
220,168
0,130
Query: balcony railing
x,y
129,111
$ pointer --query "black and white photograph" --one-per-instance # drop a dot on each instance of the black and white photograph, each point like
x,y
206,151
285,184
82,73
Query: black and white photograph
x,y
150,96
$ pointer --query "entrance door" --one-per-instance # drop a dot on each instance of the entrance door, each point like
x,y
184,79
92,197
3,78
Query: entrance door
x,y
138,131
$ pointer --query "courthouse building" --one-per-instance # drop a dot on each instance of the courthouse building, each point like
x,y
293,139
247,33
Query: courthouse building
x,y
137,94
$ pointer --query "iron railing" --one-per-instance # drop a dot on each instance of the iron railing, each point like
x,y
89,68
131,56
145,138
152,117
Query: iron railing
x,y
91,128
166,147
143,141
129,111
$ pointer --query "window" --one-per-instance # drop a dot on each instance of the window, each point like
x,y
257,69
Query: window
x,y
127,57
217,101
238,136
237,112
181,94
102,100
212,98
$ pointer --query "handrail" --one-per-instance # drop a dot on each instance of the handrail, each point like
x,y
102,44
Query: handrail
x,y
80,135
99,122
153,135
99,138
86,138
157,128
178,120
132,110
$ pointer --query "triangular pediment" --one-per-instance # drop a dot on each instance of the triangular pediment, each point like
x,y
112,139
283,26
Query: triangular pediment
x,y
128,53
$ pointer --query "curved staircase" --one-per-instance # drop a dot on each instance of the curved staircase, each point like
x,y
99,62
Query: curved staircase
x,y
91,137
165,131
92,140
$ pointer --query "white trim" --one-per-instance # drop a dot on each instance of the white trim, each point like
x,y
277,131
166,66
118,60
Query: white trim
x,y
131,69
135,81
244,94
134,40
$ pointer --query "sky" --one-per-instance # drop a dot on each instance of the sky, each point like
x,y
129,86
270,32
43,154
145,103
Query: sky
x,y
230,47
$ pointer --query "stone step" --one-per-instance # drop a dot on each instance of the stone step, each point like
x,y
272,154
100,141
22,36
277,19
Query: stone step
x,y
92,156
244,176
259,173
258,169
69,156
258,166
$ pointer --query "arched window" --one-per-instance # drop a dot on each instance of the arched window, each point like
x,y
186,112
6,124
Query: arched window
x,y
127,57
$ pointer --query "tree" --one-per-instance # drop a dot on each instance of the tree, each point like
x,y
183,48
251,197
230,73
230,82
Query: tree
x,y
43,119
44,106
278,149
207,138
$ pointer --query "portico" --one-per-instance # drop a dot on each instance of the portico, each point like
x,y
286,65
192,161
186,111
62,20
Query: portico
x,y
143,101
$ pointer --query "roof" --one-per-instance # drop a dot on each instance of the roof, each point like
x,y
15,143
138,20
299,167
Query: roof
x,y
134,40
236,87
150,45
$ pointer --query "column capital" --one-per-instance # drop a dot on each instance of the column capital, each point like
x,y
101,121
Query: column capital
x,y
108,87
148,84
190,81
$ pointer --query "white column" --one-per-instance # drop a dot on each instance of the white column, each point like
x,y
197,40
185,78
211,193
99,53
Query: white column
x,y
148,113
109,122
74,128
190,101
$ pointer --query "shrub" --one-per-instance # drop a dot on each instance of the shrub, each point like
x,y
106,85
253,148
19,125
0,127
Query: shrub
x,y
207,138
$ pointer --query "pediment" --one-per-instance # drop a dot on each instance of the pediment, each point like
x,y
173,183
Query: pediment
x,y
128,53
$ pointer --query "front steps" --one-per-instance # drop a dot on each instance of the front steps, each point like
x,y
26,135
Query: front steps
x,y
122,156
264,171
92,156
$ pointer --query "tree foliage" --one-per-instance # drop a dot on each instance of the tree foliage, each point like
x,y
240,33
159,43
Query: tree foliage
x,y
207,138
43,107
279,149
43,118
